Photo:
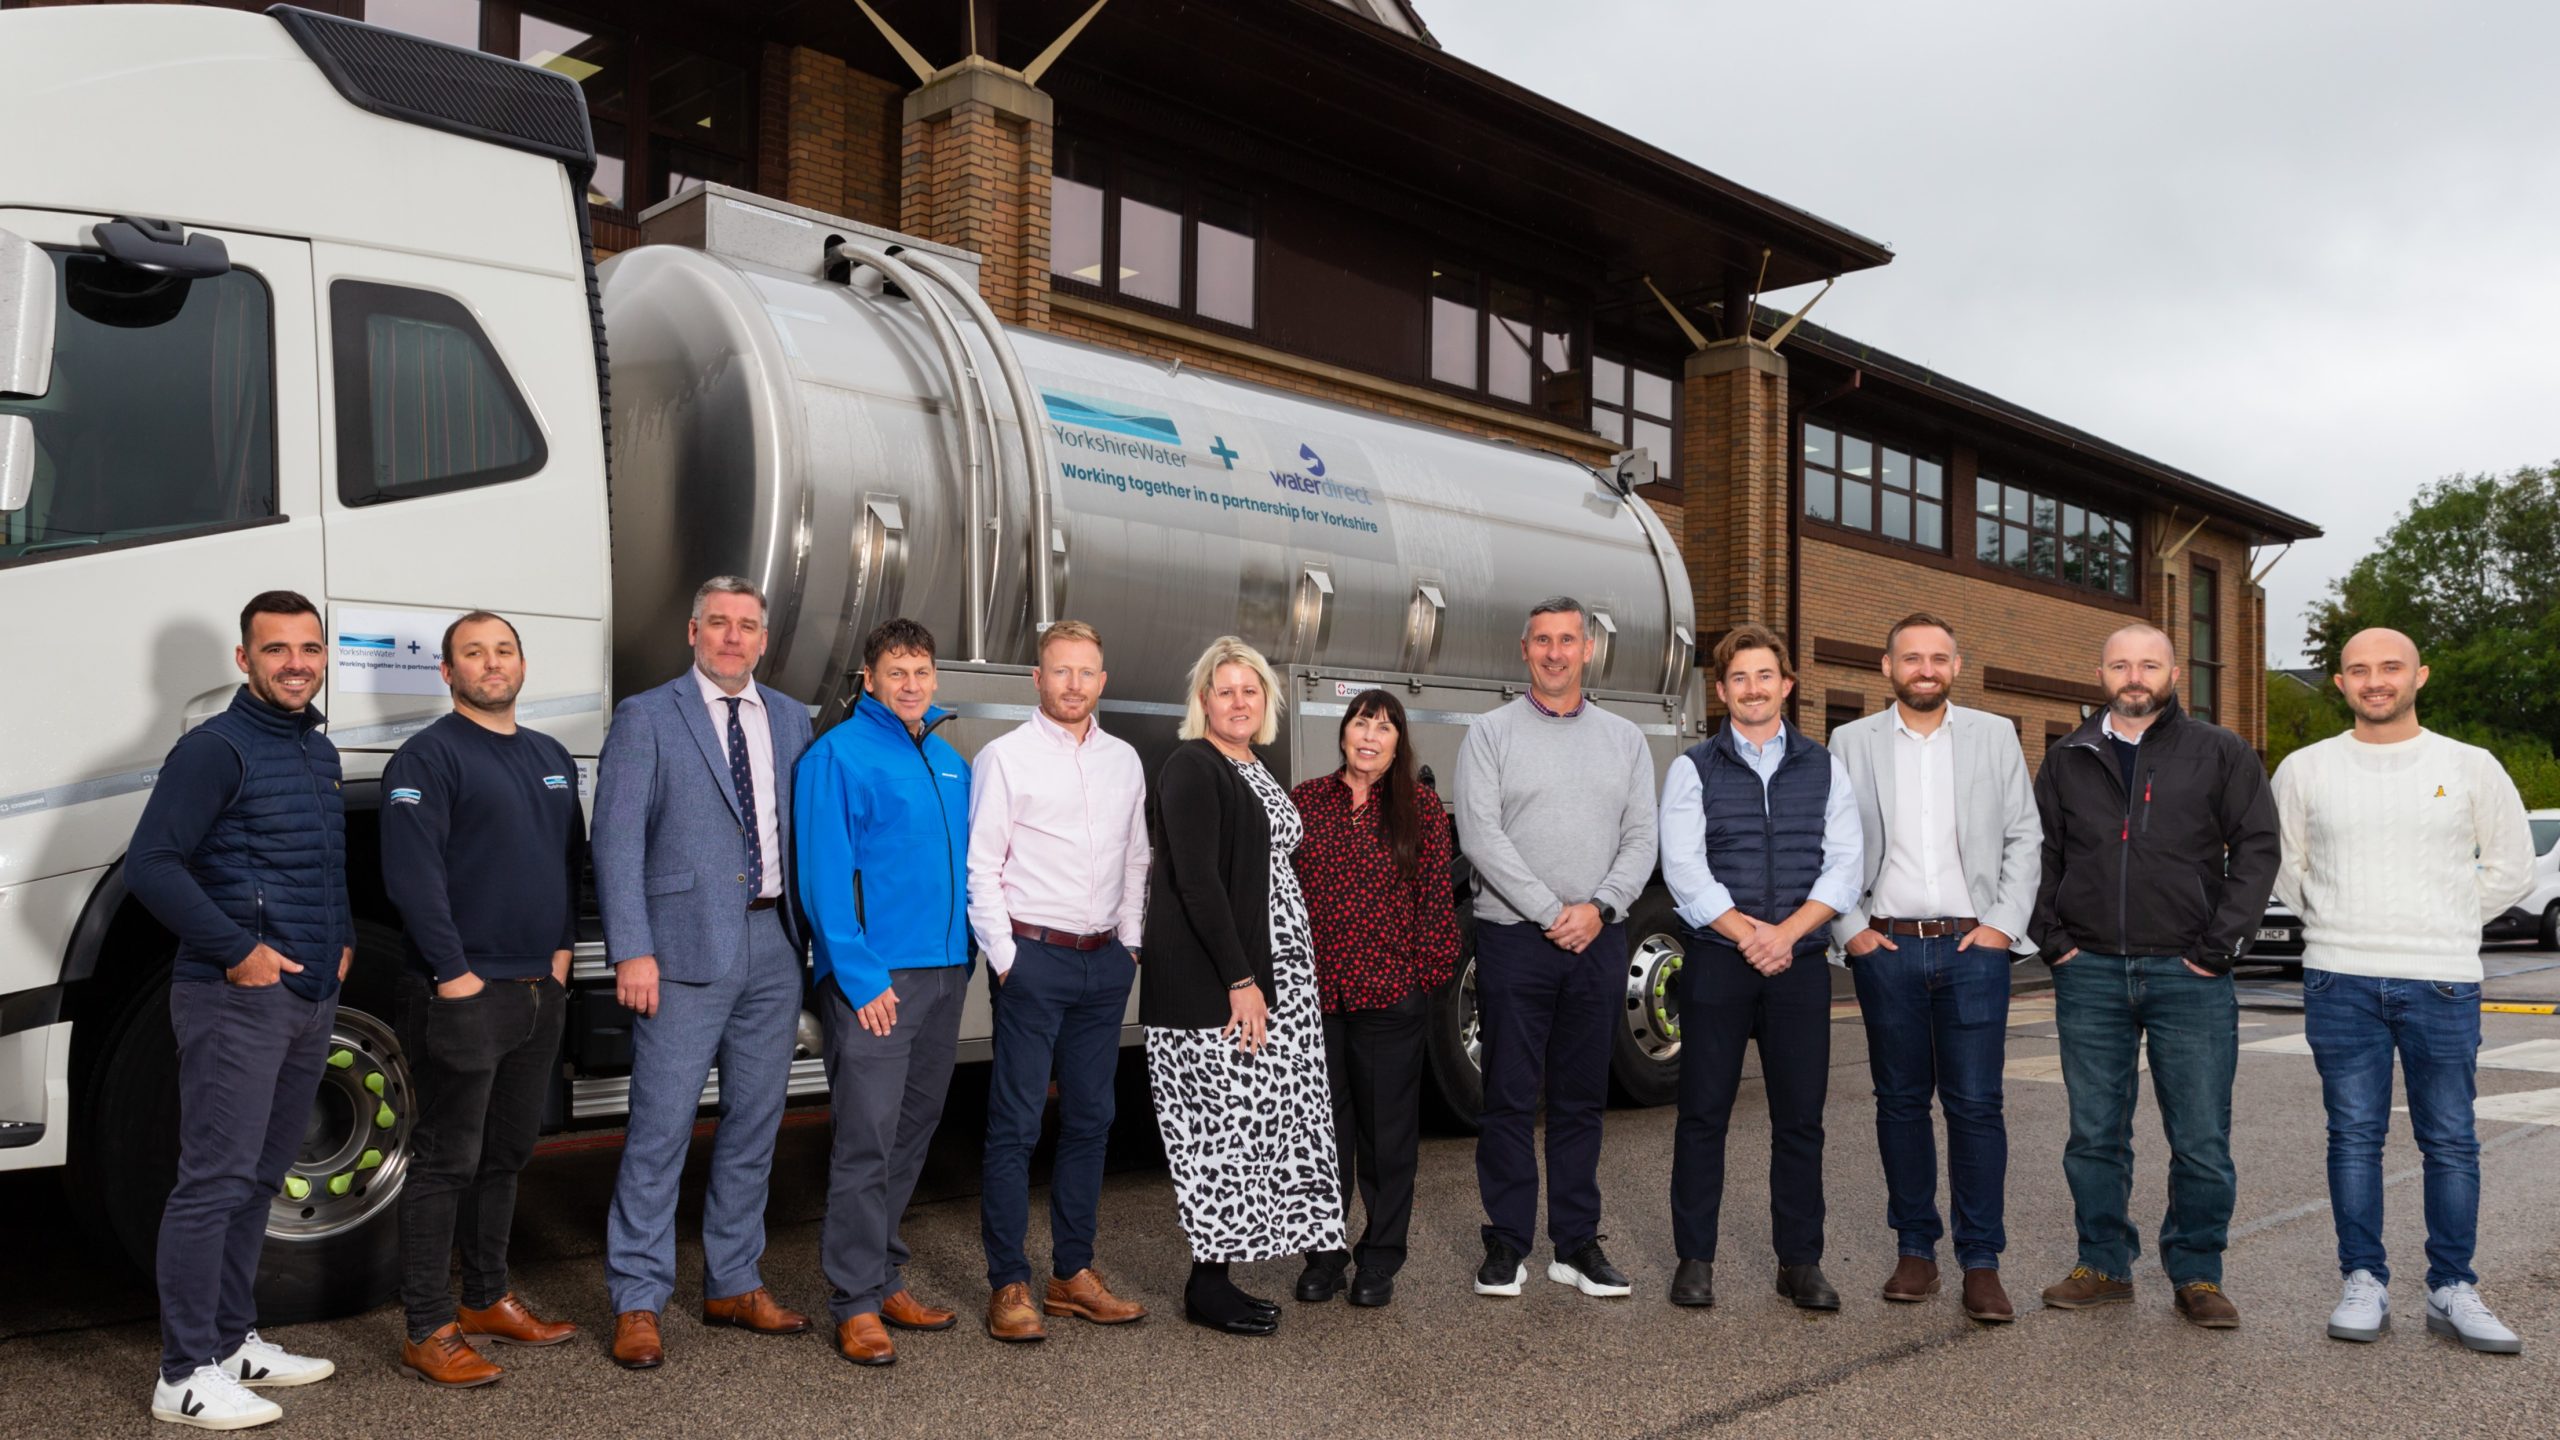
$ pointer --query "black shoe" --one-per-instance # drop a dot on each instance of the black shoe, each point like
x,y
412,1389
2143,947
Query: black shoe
x,y
1502,1270
1320,1281
1258,1305
1694,1284
1243,1322
1372,1288
1804,1285
1585,1269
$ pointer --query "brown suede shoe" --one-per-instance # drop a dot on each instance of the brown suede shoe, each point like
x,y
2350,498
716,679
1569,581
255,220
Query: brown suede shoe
x,y
1985,1299
2084,1287
443,1359
1083,1294
1010,1317
2203,1303
509,1323
756,1310
907,1312
863,1341
1913,1279
635,1340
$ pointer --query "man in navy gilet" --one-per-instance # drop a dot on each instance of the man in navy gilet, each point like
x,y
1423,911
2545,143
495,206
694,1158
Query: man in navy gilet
x,y
242,853
1760,847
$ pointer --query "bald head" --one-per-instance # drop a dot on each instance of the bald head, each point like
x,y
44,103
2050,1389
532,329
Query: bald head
x,y
2379,674
2138,668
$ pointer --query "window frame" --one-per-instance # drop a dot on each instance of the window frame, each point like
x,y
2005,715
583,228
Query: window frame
x,y
351,375
275,515
1115,166
2063,500
1807,470
2212,670
1548,397
1666,465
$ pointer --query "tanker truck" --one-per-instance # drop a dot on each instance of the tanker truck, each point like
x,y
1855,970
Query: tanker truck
x,y
291,302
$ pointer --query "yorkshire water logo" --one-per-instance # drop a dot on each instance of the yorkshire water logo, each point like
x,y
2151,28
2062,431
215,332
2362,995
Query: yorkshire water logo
x,y
406,796
555,782
370,644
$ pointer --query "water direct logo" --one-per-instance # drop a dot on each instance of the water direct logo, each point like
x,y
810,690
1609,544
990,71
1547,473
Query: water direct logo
x,y
1315,462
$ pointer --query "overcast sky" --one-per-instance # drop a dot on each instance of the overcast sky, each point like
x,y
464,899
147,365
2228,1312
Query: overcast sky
x,y
2310,251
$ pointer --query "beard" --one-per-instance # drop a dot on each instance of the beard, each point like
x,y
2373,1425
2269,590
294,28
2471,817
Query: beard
x,y
2151,702
1917,703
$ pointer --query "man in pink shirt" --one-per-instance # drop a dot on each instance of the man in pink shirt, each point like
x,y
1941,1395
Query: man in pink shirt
x,y
1057,893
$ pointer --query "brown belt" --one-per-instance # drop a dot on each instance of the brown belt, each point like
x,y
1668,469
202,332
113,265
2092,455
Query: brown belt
x,y
1063,939
763,902
1945,928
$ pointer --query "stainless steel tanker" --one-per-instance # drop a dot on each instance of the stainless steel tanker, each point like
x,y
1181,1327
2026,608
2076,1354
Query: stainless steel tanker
x,y
831,411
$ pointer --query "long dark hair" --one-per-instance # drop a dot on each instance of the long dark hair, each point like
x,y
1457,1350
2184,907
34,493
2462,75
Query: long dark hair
x,y
1399,813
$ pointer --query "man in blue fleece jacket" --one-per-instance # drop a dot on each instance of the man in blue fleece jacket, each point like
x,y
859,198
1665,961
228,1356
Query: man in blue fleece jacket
x,y
882,807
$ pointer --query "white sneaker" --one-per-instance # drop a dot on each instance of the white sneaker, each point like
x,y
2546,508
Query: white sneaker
x,y
2458,1311
264,1366
210,1399
2364,1309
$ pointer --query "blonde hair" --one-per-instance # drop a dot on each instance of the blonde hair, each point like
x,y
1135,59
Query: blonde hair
x,y
1063,631
1223,651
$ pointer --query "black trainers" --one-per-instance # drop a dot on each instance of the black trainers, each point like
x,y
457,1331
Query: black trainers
x,y
1587,1270
1322,1279
1502,1270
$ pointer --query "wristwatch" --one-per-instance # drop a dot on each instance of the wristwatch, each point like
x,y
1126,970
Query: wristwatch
x,y
1608,912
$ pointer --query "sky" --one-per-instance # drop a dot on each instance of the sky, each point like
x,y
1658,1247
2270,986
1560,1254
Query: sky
x,y
2310,251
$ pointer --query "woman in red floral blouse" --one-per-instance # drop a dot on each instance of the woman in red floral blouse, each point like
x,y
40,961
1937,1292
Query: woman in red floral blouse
x,y
1375,869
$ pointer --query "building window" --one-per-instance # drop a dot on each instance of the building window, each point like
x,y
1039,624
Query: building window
x,y
1857,482
1840,710
1137,232
2204,641
1506,341
2032,533
664,116
1632,406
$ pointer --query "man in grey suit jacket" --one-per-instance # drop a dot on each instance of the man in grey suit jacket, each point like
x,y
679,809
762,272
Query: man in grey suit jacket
x,y
692,846
1952,860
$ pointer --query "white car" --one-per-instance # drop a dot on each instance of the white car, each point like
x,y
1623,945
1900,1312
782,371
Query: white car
x,y
2536,917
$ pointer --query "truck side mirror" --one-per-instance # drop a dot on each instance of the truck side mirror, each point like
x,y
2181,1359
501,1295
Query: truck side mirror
x,y
26,359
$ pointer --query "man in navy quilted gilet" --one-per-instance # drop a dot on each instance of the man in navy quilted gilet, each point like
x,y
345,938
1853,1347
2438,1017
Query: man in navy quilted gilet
x,y
242,853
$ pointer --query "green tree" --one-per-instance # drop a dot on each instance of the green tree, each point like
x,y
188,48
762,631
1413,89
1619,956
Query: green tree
x,y
2297,716
2471,572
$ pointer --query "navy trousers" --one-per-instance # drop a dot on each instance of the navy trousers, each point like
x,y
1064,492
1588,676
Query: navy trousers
x,y
1547,1015
249,1063
1058,1009
1724,1005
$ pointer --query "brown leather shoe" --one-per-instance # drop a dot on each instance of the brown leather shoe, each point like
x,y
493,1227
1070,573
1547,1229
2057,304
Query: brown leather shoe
x,y
509,1323
863,1341
1083,1294
1985,1299
1913,1279
1010,1317
635,1340
2203,1303
756,1310
443,1359
907,1312
2084,1287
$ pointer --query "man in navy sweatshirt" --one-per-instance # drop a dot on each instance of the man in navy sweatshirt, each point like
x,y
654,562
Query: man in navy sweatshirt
x,y
242,853
481,846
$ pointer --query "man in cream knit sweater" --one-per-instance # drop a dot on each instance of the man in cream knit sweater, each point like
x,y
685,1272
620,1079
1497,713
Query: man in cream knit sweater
x,y
2398,845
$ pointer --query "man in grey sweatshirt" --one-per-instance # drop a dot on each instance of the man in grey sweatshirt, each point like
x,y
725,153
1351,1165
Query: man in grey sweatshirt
x,y
1555,809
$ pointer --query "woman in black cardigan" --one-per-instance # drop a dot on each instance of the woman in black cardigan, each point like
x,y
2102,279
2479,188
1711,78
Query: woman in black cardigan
x,y
1235,1040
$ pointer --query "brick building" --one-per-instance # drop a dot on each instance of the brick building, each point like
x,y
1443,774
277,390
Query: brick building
x,y
1312,195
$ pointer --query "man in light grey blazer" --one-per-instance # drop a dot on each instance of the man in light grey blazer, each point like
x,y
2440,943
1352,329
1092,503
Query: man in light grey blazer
x,y
1952,860
692,846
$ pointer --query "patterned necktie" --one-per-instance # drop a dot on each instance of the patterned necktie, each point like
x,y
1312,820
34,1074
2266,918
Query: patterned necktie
x,y
742,778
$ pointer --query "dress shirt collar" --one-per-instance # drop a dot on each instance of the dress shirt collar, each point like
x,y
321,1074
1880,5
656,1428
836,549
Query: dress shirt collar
x,y
1776,748
712,694
1057,734
1578,707
2107,727
1946,721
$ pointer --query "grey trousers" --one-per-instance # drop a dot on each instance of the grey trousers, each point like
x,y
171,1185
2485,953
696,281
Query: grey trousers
x,y
887,1091
745,1022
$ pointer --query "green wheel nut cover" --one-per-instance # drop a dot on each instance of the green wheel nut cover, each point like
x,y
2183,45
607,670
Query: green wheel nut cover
x,y
373,1082
342,1182
369,1160
383,1119
296,1188
341,1059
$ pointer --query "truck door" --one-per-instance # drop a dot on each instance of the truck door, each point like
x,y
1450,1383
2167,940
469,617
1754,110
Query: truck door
x,y
176,475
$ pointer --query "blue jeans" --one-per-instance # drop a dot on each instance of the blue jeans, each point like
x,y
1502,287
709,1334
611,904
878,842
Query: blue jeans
x,y
1057,1007
1938,1023
2105,1007
2354,1024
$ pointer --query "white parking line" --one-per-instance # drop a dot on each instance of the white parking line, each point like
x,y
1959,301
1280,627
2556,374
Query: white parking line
x,y
2537,1055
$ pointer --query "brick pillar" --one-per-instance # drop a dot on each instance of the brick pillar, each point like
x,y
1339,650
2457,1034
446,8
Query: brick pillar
x,y
832,143
974,172
1734,456
2250,666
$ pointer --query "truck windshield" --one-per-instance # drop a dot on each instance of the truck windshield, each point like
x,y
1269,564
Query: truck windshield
x,y
160,420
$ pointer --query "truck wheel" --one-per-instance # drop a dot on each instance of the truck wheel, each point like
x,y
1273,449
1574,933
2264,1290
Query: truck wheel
x,y
332,1233
1644,1058
1453,1040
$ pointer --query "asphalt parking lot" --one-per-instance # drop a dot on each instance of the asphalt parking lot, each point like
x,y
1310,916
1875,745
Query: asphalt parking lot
x,y
78,1340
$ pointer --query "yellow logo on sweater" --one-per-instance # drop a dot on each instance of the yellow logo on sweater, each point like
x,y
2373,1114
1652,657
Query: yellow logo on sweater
x,y
2439,792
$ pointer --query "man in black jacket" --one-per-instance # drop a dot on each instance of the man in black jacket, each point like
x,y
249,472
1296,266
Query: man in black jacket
x,y
2160,847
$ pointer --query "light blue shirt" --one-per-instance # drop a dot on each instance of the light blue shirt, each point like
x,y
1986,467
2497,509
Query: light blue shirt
x,y
1699,896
